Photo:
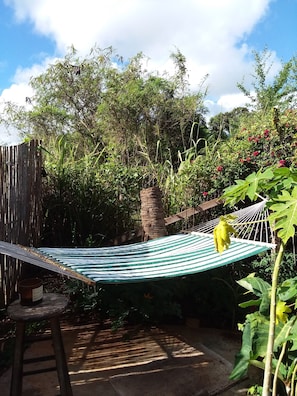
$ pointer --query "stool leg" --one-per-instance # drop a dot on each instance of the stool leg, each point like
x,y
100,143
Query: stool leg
x,y
17,367
62,369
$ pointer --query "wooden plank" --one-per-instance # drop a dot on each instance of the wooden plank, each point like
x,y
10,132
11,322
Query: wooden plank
x,y
185,214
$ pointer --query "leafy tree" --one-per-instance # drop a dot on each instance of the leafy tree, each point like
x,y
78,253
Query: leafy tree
x,y
222,125
65,99
280,92
102,101
142,110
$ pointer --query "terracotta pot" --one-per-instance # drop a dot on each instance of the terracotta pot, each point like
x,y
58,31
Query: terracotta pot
x,y
30,291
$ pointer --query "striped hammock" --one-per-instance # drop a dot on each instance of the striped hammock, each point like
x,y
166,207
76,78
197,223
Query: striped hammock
x,y
171,256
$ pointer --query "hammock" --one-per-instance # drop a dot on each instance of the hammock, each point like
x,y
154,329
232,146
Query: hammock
x,y
166,257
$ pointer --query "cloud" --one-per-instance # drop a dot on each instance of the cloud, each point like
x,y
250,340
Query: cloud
x,y
211,34
17,94
208,33
226,103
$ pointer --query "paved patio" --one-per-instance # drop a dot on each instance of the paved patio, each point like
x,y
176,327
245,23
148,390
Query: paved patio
x,y
164,361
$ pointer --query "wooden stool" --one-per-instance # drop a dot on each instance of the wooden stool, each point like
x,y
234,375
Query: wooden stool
x,y
51,307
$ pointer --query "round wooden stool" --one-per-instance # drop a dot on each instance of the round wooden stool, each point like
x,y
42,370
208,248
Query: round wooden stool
x,y
51,307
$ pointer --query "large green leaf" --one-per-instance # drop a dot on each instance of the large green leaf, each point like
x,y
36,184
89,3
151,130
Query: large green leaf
x,y
288,289
284,216
255,180
292,337
242,358
265,303
253,185
260,326
235,193
255,285
282,333
254,342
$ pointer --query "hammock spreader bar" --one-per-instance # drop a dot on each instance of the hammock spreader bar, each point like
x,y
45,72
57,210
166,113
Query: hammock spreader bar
x,y
166,257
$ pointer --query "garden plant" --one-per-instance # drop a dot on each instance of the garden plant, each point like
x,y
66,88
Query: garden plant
x,y
269,333
108,128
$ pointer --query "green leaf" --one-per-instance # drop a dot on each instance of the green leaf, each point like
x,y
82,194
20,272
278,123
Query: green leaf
x,y
283,172
260,325
255,180
253,184
284,216
235,193
255,285
288,289
265,303
281,336
242,358
250,303
254,343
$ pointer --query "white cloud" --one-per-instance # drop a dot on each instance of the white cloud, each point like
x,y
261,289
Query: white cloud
x,y
206,32
211,34
9,136
226,103
17,93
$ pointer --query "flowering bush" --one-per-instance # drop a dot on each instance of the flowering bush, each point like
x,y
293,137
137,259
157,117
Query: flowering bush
x,y
261,140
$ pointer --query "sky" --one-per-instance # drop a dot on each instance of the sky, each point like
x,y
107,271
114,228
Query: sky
x,y
217,37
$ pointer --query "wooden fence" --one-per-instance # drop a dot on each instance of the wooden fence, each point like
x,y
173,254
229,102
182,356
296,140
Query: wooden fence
x,y
20,207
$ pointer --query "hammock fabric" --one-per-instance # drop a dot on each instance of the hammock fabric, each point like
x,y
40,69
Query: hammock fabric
x,y
166,257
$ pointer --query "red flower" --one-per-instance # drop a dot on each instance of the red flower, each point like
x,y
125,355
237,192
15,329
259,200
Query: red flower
x,y
248,159
282,163
205,193
256,153
266,132
250,138
220,168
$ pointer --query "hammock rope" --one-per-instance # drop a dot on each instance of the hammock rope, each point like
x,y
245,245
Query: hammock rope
x,y
166,257
251,223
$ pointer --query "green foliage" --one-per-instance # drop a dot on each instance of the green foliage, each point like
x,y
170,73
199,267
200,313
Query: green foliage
x,y
284,214
224,125
256,329
280,188
263,266
280,185
137,303
102,101
268,94
82,195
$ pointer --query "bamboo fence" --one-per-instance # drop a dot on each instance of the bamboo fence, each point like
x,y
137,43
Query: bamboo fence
x,y
20,208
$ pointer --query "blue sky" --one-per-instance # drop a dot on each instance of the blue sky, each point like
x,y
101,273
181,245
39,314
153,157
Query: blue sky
x,y
216,36
277,30
20,46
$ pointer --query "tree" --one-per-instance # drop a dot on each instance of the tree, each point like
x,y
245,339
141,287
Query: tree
x,y
280,92
222,125
141,110
105,102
